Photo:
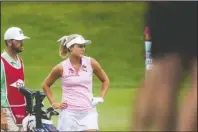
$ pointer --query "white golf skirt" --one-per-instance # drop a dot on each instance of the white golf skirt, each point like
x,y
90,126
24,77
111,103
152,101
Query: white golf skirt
x,y
78,121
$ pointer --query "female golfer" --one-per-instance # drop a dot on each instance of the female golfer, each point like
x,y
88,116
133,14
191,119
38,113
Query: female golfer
x,y
78,106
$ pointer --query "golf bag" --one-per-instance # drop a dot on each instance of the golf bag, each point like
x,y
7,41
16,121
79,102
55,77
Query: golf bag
x,y
37,120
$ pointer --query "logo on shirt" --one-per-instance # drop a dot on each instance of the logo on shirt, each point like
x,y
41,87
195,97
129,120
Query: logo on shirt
x,y
71,71
20,116
19,83
84,68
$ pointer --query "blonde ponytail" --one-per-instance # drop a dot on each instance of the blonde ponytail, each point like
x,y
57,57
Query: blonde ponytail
x,y
62,48
63,51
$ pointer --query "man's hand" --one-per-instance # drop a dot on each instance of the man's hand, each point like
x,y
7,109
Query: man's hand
x,y
3,121
96,100
59,105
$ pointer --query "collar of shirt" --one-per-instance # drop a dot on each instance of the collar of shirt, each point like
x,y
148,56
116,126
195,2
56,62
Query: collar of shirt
x,y
10,59
83,66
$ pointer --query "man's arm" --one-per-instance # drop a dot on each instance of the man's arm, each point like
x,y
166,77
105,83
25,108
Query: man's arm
x,y
3,99
2,83
3,86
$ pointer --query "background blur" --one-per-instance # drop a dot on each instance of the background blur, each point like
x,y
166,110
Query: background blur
x,y
116,30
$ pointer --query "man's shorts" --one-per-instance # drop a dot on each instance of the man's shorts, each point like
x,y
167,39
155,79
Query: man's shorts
x,y
10,121
173,28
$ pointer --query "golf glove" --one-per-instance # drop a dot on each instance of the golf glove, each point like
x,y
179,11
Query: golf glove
x,y
96,100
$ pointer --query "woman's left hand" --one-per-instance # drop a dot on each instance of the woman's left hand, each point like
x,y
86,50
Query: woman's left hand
x,y
96,100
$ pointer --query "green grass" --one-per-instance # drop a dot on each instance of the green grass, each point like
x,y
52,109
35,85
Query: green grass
x,y
116,30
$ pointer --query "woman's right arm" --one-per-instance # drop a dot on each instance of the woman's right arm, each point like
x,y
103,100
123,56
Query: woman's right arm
x,y
55,73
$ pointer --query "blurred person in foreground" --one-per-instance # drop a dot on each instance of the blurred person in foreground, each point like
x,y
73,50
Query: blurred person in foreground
x,y
148,63
173,27
78,106
12,77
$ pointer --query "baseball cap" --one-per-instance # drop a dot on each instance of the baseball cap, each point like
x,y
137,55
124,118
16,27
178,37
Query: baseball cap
x,y
78,39
15,33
